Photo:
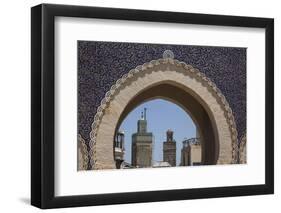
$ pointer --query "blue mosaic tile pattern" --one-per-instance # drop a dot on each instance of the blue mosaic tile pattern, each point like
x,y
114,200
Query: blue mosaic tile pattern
x,y
100,64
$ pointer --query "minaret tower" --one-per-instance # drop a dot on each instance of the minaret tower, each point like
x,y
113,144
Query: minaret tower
x,y
142,144
169,149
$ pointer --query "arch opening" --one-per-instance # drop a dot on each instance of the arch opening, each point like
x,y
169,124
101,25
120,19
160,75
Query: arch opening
x,y
170,126
174,94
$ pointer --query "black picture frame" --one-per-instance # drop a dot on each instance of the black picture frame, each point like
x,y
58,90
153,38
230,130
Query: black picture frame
x,y
43,111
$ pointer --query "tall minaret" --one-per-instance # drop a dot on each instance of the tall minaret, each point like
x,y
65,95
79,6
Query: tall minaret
x,y
142,144
169,149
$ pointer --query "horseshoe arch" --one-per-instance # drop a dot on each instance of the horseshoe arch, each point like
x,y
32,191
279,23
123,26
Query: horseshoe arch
x,y
214,118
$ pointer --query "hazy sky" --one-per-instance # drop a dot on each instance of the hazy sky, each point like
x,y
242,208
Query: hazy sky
x,y
161,115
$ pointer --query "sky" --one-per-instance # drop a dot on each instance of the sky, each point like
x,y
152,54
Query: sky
x,y
161,115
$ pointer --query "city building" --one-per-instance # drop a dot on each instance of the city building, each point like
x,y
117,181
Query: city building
x,y
119,148
142,144
191,152
169,149
195,150
185,154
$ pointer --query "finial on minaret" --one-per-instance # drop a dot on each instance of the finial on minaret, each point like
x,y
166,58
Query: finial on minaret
x,y
142,123
145,113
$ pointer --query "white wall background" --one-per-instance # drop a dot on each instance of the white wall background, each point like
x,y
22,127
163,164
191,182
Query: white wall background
x,y
15,105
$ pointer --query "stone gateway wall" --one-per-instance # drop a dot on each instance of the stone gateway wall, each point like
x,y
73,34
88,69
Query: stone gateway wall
x,y
103,64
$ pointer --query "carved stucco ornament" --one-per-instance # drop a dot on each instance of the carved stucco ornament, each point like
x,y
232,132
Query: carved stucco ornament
x,y
82,154
243,149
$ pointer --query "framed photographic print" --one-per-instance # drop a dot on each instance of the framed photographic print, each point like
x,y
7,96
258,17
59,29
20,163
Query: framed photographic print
x,y
139,106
